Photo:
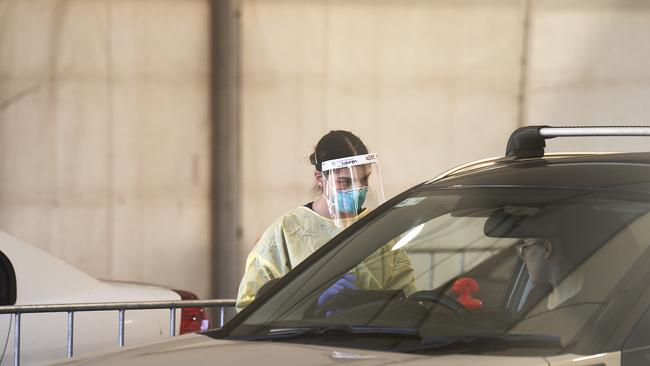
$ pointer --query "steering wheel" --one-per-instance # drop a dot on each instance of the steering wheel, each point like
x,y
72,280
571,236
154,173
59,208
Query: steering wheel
x,y
438,298
348,299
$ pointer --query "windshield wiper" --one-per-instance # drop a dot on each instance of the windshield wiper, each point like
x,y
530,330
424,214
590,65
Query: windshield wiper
x,y
335,330
486,342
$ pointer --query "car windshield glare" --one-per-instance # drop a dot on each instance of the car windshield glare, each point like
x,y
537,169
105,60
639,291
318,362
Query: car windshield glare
x,y
469,262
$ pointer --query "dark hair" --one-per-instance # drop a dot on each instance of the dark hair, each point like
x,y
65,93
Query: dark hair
x,y
335,145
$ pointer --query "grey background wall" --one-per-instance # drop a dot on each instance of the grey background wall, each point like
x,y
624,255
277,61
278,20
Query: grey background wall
x,y
105,135
106,114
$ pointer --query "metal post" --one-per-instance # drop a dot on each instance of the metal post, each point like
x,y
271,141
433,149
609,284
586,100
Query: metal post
x,y
432,262
226,155
462,262
120,329
172,322
222,315
70,347
17,341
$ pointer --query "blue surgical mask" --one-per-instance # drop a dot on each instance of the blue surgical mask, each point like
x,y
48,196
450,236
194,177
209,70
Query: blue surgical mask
x,y
350,201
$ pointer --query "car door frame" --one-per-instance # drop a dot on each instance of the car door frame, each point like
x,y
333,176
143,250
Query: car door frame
x,y
10,281
8,298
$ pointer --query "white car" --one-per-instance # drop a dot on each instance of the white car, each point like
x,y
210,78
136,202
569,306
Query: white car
x,y
29,275
527,259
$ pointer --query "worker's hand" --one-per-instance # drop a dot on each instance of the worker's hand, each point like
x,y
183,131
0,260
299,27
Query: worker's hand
x,y
347,281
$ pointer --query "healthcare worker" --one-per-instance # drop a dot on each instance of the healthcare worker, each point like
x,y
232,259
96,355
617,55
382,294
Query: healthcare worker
x,y
348,186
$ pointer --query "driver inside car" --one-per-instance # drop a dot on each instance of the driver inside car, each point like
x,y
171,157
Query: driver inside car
x,y
555,262
550,265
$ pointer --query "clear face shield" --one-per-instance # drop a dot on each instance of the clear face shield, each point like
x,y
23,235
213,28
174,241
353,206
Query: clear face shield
x,y
352,187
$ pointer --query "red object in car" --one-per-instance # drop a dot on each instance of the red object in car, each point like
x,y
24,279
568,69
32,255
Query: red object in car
x,y
192,319
465,287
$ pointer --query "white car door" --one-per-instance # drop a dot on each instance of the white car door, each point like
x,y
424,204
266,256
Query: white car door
x,y
41,278
5,324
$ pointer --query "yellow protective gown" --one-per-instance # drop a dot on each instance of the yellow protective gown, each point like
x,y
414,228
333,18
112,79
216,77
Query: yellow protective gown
x,y
298,234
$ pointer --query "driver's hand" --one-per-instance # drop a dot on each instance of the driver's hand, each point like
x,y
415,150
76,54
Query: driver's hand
x,y
347,281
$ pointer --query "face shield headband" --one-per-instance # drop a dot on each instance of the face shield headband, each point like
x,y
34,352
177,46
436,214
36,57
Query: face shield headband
x,y
350,183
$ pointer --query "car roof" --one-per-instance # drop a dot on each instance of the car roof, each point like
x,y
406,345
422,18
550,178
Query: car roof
x,y
612,171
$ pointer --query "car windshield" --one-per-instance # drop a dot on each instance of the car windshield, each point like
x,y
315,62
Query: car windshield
x,y
509,270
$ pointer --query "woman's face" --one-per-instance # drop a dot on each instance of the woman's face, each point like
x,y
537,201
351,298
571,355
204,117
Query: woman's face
x,y
351,178
343,189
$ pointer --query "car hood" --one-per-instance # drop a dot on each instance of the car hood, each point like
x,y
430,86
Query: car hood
x,y
199,350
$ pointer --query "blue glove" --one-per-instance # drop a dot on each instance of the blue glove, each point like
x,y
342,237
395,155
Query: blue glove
x,y
347,281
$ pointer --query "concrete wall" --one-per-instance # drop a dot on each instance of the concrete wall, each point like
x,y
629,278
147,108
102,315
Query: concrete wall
x,y
105,135
426,84
588,64
105,107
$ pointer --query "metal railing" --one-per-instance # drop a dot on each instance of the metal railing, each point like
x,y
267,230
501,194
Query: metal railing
x,y
120,307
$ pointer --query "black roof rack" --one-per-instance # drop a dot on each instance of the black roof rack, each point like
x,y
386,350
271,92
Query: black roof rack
x,y
529,142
